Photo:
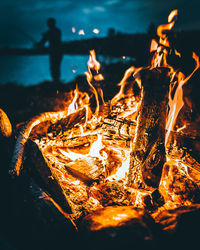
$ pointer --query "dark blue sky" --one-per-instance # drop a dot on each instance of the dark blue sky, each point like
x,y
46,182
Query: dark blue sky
x,y
20,19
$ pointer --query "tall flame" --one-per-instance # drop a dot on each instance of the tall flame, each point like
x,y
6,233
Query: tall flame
x,y
176,104
93,75
160,57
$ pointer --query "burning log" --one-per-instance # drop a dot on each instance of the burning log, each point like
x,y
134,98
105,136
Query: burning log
x,y
175,186
148,153
180,148
5,125
118,132
17,158
39,168
87,170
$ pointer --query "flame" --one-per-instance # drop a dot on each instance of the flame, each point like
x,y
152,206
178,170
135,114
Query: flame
x,y
177,53
176,104
128,105
93,63
79,101
95,150
172,15
154,45
160,57
122,85
73,106
93,68
181,128
122,172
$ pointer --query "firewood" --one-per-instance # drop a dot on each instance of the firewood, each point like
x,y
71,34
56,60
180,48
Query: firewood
x,y
54,117
117,132
5,125
176,187
148,153
68,122
67,185
73,143
39,168
181,147
18,154
87,170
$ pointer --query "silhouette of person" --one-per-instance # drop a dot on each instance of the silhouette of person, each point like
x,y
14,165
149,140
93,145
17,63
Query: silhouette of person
x,y
53,37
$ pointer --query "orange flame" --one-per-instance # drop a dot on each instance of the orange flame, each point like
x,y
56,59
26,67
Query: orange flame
x,y
94,65
176,104
73,106
122,85
160,57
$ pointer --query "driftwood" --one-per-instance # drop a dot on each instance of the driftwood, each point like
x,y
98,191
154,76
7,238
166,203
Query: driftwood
x,y
148,153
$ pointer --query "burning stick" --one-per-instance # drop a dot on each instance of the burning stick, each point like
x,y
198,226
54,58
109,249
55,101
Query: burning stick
x,y
17,158
148,154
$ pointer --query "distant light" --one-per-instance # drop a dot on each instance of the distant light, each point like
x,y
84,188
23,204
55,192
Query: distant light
x,y
95,31
81,32
73,30
123,57
74,71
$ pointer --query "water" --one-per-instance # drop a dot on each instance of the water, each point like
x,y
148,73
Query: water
x,y
30,70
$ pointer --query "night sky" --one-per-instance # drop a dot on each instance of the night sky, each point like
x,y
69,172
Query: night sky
x,y
22,23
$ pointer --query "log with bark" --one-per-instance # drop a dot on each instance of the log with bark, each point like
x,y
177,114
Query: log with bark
x,y
148,153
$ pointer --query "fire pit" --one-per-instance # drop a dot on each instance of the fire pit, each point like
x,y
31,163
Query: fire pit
x,y
120,167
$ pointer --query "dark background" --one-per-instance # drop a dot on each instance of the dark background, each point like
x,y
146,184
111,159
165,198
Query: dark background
x,y
23,22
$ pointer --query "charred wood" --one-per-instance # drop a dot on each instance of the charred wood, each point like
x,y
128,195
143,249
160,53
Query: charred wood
x,y
118,131
148,153
148,150
176,186
182,149
86,170
39,168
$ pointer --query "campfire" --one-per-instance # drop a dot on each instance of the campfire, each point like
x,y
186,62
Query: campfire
x,y
104,164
